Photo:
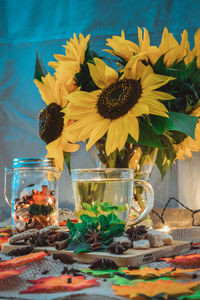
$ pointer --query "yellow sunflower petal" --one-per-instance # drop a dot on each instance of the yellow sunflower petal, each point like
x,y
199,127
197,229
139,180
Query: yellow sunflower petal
x,y
155,107
160,95
139,109
101,73
54,150
132,126
76,112
84,98
121,133
154,81
110,140
99,131
68,147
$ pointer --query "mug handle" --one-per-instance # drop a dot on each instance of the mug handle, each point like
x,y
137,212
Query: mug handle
x,y
150,199
7,171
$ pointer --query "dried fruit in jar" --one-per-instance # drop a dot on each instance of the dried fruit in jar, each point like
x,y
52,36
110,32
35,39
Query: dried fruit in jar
x,y
36,208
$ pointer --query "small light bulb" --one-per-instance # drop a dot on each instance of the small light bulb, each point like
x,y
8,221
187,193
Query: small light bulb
x,y
50,201
165,229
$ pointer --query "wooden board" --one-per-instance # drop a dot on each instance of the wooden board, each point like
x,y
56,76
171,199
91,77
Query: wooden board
x,y
130,257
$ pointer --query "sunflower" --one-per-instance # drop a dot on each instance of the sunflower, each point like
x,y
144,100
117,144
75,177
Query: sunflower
x,y
189,145
171,48
195,52
115,107
53,123
69,64
126,49
121,47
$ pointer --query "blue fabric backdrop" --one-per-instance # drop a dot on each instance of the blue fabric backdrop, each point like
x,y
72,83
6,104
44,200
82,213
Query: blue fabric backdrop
x,y
30,25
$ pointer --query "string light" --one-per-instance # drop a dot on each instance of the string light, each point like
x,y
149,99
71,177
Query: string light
x,y
161,216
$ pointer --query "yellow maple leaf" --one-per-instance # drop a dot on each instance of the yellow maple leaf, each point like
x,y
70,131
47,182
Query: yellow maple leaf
x,y
152,272
153,288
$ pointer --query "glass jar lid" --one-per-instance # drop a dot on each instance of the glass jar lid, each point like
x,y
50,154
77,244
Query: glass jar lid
x,y
33,162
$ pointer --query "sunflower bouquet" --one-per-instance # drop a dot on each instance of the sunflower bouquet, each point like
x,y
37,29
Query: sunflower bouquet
x,y
141,99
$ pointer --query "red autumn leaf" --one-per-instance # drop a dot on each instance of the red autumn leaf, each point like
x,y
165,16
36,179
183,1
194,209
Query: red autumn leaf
x,y
62,283
22,260
185,260
3,239
63,223
13,272
153,288
152,272
74,220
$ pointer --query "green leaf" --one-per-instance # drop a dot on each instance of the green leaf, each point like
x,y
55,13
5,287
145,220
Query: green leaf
x,y
176,121
113,219
78,246
194,296
67,156
90,222
159,67
166,156
39,68
103,273
114,231
71,227
87,206
147,136
119,280
85,212
108,206
104,223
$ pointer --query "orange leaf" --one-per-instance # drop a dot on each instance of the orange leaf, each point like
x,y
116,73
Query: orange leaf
x,y
169,272
58,284
9,273
3,239
153,288
183,260
22,260
63,223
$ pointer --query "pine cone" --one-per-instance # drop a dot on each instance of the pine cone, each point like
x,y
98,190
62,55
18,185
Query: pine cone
x,y
135,233
118,248
93,236
103,263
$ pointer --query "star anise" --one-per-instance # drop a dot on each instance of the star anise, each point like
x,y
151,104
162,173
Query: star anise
x,y
103,263
93,236
96,246
118,248
136,233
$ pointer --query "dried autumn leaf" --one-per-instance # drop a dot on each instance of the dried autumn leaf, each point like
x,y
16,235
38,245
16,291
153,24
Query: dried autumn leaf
x,y
152,272
22,260
13,272
153,288
62,283
185,260
3,239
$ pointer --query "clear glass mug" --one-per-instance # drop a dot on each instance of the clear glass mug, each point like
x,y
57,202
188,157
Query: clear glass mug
x,y
33,194
115,186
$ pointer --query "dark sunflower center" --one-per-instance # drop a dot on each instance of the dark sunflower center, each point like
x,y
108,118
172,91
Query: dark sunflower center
x,y
51,123
118,98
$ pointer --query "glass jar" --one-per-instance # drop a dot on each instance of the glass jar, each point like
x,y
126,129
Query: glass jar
x,y
34,193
